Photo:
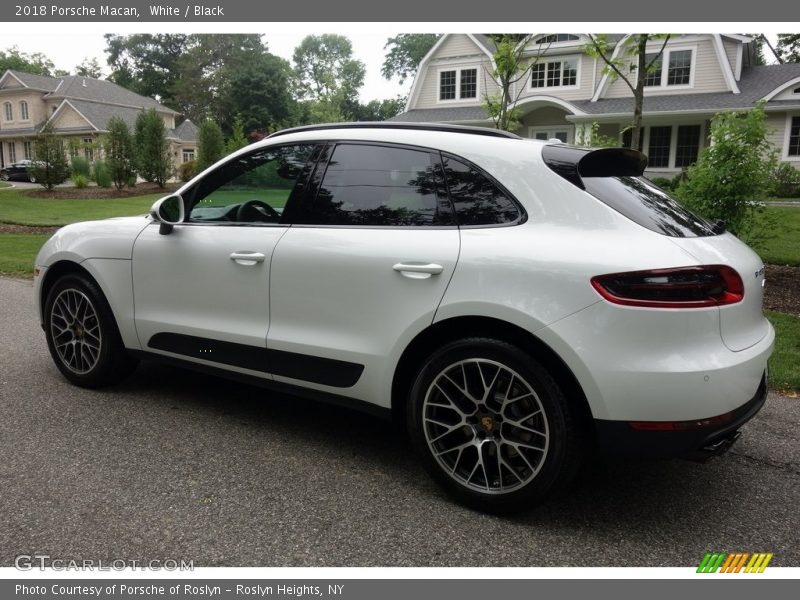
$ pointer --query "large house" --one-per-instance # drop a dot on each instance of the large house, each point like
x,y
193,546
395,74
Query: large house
x,y
79,109
566,91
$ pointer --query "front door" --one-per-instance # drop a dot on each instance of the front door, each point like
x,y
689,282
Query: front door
x,y
202,291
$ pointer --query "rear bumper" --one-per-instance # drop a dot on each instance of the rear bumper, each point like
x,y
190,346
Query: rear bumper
x,y
697,440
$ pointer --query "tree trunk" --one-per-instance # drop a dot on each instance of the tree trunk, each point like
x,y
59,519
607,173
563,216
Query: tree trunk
x,y
638,94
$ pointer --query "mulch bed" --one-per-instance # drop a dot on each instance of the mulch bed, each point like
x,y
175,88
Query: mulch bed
x,y
7,228
73,193
782,292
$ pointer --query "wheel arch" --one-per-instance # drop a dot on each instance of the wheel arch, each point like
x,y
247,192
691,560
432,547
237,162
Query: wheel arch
x,y
55,272
478,326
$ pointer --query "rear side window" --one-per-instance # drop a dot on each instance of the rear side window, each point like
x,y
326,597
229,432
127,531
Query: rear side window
x,y
379,186
648,205
477,199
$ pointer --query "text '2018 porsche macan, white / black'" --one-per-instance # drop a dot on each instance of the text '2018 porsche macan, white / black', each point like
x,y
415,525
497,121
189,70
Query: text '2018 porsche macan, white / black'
x,y
514,302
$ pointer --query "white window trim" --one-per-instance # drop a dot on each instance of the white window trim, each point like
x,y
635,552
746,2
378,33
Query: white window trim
x,y
663,86
186,151
544,59
458,69
570,129
786,135
24,115
8,112
673,142
26,146
12,152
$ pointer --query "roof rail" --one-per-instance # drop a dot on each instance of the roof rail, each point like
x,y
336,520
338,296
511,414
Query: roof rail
x,y
399,125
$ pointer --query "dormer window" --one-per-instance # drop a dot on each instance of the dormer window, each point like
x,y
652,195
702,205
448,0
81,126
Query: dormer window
x,y
8,111
678,71
554,38
555,73
23,110
796,91
458,84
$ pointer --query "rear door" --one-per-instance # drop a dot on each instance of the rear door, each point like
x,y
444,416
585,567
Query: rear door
x,y
362,268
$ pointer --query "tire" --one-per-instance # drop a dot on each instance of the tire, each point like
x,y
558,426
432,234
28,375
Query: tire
x,y
32,178
82,335
486,452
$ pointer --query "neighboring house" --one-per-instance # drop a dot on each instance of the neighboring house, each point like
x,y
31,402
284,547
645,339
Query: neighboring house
x,y
565,91
79,109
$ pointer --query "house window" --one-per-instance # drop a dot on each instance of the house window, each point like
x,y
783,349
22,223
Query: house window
x,y
794,137
88,150
12,152
678,69
559,73
653,77
188,154
554,38
796,91
8,112
23,110
458,84
658,148
27,150
688,145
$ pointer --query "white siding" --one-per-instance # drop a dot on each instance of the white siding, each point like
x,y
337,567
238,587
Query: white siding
x,y
731,48
788,93
707,75
457,44
547,115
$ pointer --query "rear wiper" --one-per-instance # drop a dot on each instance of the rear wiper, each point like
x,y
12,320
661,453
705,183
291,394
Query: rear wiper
x,y
718,227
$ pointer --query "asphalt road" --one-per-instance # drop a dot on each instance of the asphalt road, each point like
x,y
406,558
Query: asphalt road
x,y
175,465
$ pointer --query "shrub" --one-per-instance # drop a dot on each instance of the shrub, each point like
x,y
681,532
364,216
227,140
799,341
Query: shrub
x,y
50,167
785,182
102,176
153,156
210,144
664,183
80,180
187,170
118,146
132,180
81,166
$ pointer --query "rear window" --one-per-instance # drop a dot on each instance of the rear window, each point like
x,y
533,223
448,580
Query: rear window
x,y
648,205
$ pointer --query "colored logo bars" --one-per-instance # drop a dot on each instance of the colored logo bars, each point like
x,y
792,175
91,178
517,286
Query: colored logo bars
x,y
734,563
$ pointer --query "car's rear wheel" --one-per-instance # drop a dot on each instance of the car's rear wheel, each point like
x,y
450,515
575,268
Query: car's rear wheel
x,y
82,335
492,426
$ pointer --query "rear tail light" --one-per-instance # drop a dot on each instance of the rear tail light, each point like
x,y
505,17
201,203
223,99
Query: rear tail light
x,y
682,287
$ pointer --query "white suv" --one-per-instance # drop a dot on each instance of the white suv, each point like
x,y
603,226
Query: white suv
x,y
513,302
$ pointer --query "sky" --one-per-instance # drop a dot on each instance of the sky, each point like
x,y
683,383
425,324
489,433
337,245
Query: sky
x,y
69,50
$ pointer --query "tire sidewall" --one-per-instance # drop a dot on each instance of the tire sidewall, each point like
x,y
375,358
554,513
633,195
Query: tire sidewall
x,y
550,397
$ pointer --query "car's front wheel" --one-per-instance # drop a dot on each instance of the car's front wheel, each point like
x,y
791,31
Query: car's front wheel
x,y
492,426
82,335
32,178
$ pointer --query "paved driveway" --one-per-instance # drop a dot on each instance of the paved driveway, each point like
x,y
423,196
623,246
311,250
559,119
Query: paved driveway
x,y
175,465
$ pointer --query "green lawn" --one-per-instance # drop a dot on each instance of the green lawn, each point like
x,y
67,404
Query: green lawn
x,y
784,248
4,184
784,366
17,252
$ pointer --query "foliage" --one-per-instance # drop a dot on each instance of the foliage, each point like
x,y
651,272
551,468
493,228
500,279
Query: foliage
x,y
50,165
101,174
784,364
379,110
118,147
626,63
788,47
733,174
146,63
187,170
405,52
592,138
80,166
89,68
210,144
79,180
237,139
510,67
36,63
665,183
151,148
785,182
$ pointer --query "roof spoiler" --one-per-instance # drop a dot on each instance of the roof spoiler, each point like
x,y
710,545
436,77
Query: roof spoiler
x,y
574,163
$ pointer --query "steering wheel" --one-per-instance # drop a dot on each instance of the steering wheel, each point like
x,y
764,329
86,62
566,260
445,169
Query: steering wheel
x,y
256,210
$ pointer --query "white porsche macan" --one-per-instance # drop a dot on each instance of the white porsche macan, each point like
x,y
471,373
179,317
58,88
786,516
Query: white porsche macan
x,y
514,302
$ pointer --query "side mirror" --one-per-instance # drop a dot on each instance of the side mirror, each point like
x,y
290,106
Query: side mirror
x,y
168,211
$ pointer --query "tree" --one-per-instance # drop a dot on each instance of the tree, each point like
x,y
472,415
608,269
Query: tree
x,y
89,68
210,144
153,159
627,61
380,110
146,63
50,164
36,63
405,52
734,173
510,66
789,47
118,149
327,74
237,139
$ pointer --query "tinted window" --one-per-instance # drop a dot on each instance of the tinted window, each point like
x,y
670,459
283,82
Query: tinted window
x,y
647,205
477,200
263,179
378,185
